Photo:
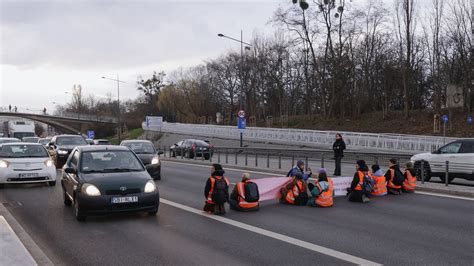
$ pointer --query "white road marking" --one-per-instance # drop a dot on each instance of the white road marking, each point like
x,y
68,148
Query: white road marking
x,y
276,174
443,195
287,239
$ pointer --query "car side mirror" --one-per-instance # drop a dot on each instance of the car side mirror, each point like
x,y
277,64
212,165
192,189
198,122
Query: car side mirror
x,y
70,170
160,152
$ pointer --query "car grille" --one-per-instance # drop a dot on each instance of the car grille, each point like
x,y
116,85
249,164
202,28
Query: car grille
x,y
120,192
123,206
26,179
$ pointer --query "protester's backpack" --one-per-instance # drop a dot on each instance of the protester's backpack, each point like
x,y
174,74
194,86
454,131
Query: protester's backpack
x,y
398,178
251,192
302,198
368,184
220,195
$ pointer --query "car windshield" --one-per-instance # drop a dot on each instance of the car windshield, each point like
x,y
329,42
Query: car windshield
x,y
141,147
70,141
103,142
30,139
199,143
23,151
9,140
44,141
109,161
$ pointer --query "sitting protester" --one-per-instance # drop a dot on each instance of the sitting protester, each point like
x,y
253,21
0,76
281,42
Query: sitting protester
x,y
216,191
295,192
357,192
380,187
299,168
245,195
409,184
394,177
322,191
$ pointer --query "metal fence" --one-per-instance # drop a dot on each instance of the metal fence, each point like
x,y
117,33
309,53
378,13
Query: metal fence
x,y
313,138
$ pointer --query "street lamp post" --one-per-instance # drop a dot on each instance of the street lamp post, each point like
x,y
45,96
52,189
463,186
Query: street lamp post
x,y
241,69
119,133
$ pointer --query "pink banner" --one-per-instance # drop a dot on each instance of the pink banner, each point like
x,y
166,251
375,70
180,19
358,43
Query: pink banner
x,y
269,188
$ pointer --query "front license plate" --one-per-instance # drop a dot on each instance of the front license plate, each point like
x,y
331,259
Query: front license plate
x,y
28,175
117,200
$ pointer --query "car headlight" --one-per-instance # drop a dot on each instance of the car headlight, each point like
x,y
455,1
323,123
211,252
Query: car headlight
x,y
49,163
155,160
62,152
3,164
90,190
150,187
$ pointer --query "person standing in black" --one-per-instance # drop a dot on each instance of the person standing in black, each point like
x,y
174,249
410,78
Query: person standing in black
x,y
338,147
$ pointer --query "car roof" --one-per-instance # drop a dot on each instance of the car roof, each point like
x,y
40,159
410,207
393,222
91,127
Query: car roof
x,y
135,141
102,148
68,135
21,143
9,138
101,140
464,140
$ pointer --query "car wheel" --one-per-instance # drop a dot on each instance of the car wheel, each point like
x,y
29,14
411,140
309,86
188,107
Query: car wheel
x,y
77,212
190,155
443,179
67,200
173,154
207,157
153,213
426,172
51,183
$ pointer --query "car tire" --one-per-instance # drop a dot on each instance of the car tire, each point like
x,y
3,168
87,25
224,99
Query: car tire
x,y
426,173
153,213
173,154
77,212
67,201
51,183
443,179
207,157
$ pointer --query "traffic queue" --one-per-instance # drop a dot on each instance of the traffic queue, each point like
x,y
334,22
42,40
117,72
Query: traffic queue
x,y
300,190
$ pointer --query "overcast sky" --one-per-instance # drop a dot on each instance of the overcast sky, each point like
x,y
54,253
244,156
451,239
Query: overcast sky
x,y
48,46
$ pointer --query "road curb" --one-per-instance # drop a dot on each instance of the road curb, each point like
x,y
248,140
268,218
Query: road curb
x,y
35,251
443,191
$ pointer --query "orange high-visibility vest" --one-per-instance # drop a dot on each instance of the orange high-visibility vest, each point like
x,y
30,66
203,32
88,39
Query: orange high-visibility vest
x,y
380,187
390,182
294,192
325,199
410,182
213,181
241,192
361,181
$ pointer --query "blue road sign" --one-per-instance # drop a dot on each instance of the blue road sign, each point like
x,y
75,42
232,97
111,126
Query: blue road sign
x,y
241,123
445,119
469,120
90,134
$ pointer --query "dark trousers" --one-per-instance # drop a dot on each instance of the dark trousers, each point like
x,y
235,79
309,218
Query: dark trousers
x,y
337,171
234,205
218,209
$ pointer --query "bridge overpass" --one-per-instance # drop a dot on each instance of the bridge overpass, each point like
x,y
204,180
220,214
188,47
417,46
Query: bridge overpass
x,y
66,122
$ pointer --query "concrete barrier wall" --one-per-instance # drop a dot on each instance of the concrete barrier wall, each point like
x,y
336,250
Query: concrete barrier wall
x,y
312,138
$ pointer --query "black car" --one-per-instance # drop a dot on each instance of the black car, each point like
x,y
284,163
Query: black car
x,y
99,180
147,153
61,146
191,148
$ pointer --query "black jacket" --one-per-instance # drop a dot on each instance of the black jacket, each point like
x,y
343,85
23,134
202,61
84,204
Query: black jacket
x,y
355,180
398,178
209,184
338,147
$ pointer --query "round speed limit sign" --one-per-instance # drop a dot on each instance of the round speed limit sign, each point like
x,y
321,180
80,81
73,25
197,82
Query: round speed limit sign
x,y
241,113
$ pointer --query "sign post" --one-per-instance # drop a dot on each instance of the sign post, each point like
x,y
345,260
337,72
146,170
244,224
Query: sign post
x,y
445,121
241,124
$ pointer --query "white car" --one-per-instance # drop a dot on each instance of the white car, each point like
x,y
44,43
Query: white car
x,y
26,163
459,154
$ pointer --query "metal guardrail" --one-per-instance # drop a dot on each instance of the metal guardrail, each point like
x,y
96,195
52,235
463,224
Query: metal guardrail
x,y
264,157
86,117
311,138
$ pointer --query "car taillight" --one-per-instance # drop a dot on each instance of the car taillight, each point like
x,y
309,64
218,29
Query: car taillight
x,y
193,146
211,147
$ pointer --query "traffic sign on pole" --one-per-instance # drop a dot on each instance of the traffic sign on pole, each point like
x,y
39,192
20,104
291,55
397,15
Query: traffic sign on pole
x,y
241,113
445,118
469,120
241,123
90,134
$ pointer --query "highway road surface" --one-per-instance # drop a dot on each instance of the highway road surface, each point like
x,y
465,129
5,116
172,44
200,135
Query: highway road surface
x,y
412,229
